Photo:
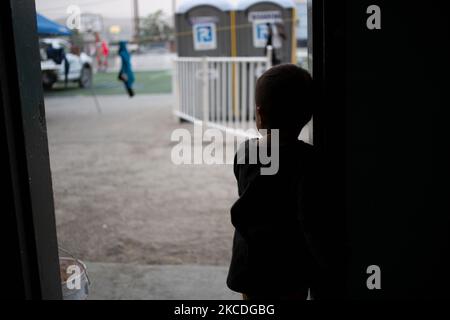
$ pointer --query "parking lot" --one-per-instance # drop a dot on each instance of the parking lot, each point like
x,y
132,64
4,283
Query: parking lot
x,y
119,198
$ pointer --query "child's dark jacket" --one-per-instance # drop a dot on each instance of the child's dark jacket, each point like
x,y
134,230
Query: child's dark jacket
x,y
270,250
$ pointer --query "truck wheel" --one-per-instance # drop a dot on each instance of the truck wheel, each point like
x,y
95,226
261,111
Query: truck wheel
x,y
85,77
48,80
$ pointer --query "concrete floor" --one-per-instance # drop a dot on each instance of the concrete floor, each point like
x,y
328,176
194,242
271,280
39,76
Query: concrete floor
x,y
118,281
122,204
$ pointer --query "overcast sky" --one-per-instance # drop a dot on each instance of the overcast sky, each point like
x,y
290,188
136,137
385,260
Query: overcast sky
x,y
108,8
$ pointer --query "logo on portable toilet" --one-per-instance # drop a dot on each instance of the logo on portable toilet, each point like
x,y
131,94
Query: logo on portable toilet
x,y
205,36
261,21
261,33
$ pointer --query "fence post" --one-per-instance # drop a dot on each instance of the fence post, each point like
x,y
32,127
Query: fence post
x,y
269,57
205,87
175,85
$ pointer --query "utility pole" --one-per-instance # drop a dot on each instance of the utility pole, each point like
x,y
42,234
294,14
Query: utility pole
x,y
174,41
136,20
174,6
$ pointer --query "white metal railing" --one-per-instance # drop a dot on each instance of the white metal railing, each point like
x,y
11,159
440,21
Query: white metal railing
x,y
218,91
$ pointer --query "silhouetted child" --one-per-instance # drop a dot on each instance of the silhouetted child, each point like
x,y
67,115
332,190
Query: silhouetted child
x,y
271,258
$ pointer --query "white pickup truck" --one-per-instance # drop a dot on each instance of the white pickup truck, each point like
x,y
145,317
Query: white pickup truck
x,y
80,66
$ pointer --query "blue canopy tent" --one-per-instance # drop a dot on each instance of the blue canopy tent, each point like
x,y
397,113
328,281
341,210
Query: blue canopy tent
x,y
47,27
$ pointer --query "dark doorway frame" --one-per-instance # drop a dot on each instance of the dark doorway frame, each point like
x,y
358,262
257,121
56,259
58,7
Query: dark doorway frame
x,y
29,220
28,225
326,56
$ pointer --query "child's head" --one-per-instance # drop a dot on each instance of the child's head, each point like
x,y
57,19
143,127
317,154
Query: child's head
x,y
284,99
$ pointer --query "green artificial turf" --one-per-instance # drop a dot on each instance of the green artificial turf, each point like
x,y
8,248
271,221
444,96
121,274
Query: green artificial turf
x,y
147,82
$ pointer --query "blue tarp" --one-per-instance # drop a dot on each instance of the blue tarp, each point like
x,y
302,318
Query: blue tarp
x,y
47,27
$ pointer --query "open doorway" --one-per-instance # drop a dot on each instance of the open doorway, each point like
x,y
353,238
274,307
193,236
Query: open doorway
x,y
144,226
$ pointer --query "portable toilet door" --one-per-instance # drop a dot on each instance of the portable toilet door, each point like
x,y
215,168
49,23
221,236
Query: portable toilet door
x,y
203,28
253,20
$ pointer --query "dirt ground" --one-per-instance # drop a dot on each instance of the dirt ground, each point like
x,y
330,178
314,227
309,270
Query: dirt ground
x,y
118,196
